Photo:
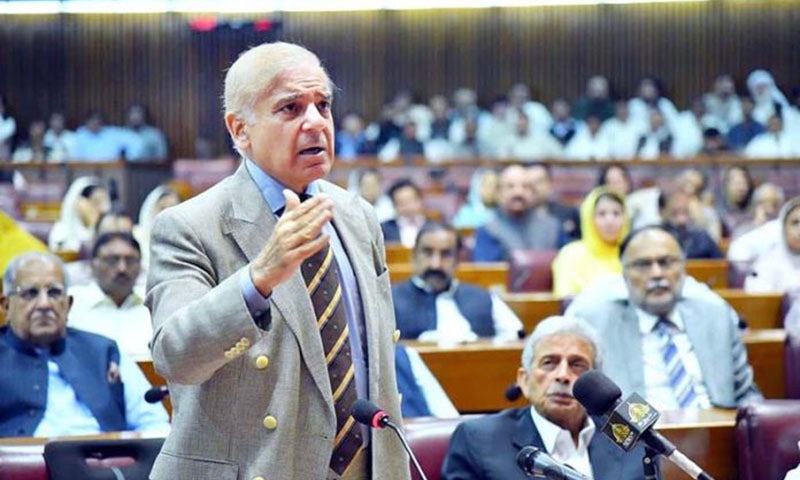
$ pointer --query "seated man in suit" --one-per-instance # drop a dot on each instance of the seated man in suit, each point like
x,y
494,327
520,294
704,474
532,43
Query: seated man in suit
x,y
521,220
62,381
434,306
558,351
409,213
678,347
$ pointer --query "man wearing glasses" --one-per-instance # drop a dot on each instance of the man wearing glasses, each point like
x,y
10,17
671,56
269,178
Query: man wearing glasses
x,y
56,380
109,305
666,336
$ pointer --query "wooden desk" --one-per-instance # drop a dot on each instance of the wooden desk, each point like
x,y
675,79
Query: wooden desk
x,y
476,375
532,307
492,275
155,380
713,273
397,253
760,310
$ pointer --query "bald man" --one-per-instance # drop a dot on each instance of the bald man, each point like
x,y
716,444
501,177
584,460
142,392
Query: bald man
x,y
248,286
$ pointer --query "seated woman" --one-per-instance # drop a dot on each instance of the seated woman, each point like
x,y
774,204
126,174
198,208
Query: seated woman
x,y
161,197
85,201
604,224
778,270
481,199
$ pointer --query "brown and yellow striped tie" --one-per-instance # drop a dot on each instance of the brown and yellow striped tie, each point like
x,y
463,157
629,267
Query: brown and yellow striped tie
x,y
322,279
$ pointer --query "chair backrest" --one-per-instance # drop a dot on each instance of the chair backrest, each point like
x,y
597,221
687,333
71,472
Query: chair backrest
x,y
97,459
766,438
22,462
429,439
531,271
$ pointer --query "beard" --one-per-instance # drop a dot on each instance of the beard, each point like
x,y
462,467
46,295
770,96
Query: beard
x,y
437,280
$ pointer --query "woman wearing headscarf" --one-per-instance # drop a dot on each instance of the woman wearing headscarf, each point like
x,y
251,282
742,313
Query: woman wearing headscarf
x,y
157,200
604,224
768,99
85,201
778,270
481,200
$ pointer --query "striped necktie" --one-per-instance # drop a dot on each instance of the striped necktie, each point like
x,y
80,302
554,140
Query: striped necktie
x,y
321,275
680,381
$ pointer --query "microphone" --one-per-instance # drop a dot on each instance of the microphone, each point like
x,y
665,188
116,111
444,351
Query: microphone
x,y
629,420
156,394
535,462
367,413
513,392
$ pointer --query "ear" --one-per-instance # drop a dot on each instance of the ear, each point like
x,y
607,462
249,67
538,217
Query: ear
x,y
522,381
4,302
237,128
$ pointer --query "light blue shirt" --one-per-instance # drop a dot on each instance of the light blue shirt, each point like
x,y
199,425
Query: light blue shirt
x,y
272,191
66,415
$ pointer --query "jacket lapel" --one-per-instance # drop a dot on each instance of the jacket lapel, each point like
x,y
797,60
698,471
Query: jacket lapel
x,y
250,223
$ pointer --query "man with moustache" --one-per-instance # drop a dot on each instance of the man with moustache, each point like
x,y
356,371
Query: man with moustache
x,y
57,380
515,224
677,345
109,305
271,300
435,306
559,350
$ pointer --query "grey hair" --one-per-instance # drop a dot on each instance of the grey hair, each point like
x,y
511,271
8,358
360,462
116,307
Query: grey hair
x,y
762,189
561,325
10,275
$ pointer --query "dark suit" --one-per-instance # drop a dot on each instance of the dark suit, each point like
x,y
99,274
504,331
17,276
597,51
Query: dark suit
x,y
253,402
486,449
391,231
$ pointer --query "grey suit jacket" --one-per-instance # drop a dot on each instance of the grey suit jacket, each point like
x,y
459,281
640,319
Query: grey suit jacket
x,y
247,402
711,325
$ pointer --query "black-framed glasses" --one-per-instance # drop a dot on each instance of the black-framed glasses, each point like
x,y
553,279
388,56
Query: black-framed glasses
x,y
667,262
114,260
31,293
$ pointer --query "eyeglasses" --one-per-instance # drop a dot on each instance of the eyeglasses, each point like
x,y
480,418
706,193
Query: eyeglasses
x,y
29,294
645,264
113,260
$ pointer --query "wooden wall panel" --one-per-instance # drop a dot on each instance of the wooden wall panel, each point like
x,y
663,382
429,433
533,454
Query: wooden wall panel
x,y
79,62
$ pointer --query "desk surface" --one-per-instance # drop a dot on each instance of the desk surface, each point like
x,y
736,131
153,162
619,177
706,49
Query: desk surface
x,y
476,375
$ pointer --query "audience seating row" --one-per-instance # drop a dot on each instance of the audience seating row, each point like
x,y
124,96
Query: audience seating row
x,y
757,442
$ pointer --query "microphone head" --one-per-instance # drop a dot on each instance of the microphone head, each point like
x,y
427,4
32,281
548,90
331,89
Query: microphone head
x,y
524,456
156,394
368,413
513,392
596,392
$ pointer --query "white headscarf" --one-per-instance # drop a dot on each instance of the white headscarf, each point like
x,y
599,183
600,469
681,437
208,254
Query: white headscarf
x,y
765,103
69,232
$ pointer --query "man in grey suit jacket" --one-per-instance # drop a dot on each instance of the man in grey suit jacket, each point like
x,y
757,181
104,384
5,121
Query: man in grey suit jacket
x,y
703,327
235,331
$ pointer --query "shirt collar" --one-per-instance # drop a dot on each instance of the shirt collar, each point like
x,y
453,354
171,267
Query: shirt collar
x,y
648,321
420,283
272,189
93,295
550,432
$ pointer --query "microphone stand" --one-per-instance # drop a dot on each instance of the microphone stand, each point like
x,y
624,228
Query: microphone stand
x,y
408,449
649,464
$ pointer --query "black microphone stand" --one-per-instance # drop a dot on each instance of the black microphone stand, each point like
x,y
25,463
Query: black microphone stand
x,y
408,449
649,464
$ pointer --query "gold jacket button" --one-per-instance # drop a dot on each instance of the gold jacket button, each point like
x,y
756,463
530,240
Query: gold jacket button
x,y
244,342
259,478
270,422
229,354
261,362
396,336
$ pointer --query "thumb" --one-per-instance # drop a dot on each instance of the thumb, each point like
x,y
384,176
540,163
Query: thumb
x,y
292,200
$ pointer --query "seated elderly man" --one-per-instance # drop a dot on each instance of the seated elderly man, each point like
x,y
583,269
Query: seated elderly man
x,y
57,380
679,347
434,306
558,351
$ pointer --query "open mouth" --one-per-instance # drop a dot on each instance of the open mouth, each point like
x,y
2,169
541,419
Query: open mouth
x,y
311,151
